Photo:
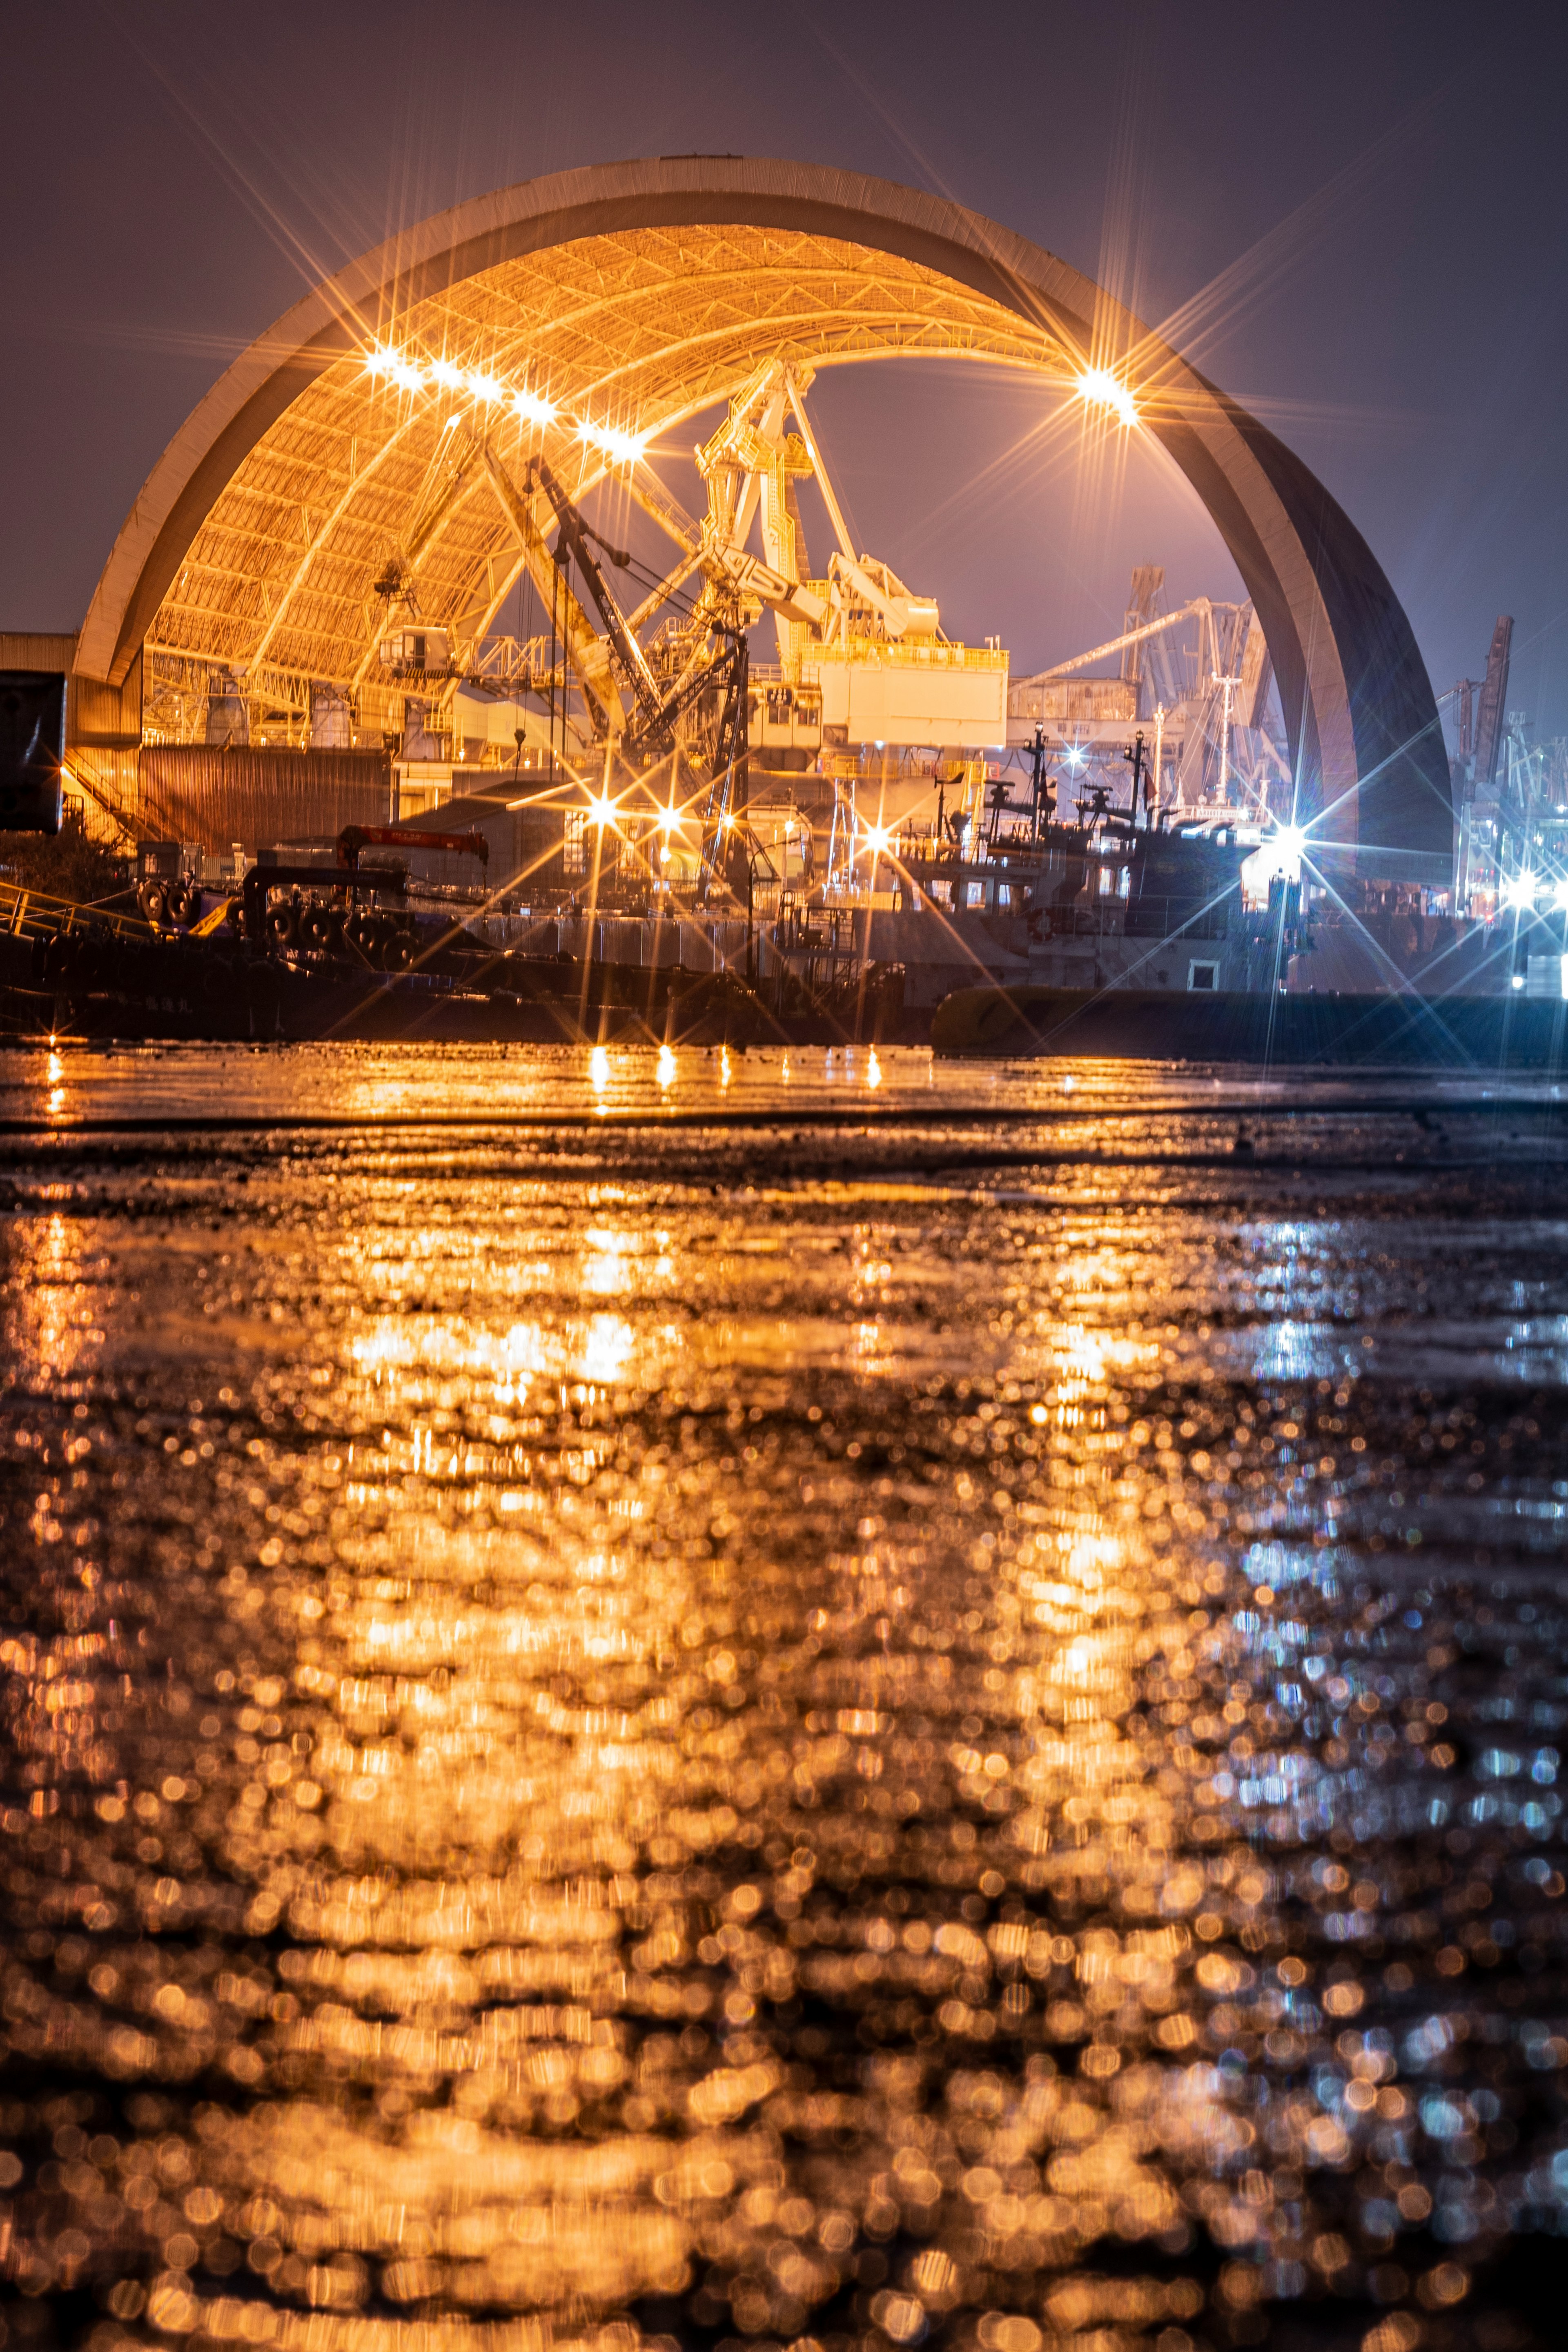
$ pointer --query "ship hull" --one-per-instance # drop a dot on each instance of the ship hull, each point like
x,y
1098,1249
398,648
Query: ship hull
x,y
1389,1031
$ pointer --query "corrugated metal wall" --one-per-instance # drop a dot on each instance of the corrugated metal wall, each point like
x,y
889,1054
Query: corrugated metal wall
x,y
258,797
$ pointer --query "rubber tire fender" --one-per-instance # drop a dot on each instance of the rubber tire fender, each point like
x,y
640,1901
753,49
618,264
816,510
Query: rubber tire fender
x,y
283,924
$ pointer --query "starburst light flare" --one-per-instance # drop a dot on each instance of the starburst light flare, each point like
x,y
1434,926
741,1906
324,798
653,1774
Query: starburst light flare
x,y
410,374
1098,386
624,449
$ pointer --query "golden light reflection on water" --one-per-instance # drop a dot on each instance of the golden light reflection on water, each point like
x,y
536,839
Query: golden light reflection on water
x,y
595,1347
598,1757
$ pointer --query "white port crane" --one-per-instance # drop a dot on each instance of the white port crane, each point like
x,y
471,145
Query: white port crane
x,y
860,657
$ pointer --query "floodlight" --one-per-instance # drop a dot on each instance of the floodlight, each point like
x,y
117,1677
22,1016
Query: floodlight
x,y
1098,385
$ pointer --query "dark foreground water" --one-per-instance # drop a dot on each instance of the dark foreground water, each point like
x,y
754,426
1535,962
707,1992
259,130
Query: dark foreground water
x,y
704,1704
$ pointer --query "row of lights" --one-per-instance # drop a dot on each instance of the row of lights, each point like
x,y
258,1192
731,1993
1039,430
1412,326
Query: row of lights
x,y
1096,385
603,810
1286,841
382,360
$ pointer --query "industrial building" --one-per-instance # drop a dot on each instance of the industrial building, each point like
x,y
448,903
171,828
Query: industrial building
x,y
297,626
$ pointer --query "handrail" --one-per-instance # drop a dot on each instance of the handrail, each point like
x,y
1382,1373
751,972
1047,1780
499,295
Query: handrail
x,y
75,769
25,913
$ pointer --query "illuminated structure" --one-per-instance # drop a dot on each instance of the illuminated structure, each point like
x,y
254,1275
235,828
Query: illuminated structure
x,y
1205,708
581,315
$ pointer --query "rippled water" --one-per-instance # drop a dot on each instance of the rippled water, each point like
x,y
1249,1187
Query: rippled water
x,y
718,1704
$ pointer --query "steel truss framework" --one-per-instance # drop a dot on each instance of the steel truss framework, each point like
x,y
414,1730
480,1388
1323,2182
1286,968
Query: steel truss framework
x,y
643,325
636,296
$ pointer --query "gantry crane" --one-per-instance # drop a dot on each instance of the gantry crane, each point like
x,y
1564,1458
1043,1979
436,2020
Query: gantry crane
x,y
642,693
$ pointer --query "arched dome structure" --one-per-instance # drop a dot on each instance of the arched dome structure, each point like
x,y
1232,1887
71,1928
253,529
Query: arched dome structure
x,y
633,295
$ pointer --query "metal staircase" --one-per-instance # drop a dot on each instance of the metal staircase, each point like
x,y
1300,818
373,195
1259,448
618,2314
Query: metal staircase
x,y
137,820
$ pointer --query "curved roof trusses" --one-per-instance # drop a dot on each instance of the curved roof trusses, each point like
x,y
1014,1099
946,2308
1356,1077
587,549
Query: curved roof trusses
x,y
638,294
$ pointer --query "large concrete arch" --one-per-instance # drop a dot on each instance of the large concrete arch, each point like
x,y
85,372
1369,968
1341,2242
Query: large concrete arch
x,y
643,291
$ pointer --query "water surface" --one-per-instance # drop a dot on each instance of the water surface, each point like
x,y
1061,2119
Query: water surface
x,y
728,1700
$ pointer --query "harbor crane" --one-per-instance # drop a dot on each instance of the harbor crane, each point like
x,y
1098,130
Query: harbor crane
x,y
860,655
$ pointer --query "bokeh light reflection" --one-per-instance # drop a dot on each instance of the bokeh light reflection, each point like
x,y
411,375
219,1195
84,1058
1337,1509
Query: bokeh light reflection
x,y
757,1746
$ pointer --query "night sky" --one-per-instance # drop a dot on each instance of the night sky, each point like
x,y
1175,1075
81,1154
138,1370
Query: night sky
x,y
1354,218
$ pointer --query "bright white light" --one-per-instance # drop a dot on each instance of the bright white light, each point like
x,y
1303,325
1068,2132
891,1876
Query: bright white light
x,y
1518,979
1519,893
446,375
666,1066
1278,853
1075,757
1560,895
878,839
621,449
602,809
1099,385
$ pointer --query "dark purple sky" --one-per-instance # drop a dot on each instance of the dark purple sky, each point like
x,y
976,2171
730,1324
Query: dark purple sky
x,y
1359,212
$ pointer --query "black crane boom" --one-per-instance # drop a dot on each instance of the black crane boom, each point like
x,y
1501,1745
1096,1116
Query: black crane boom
x,y
576,535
